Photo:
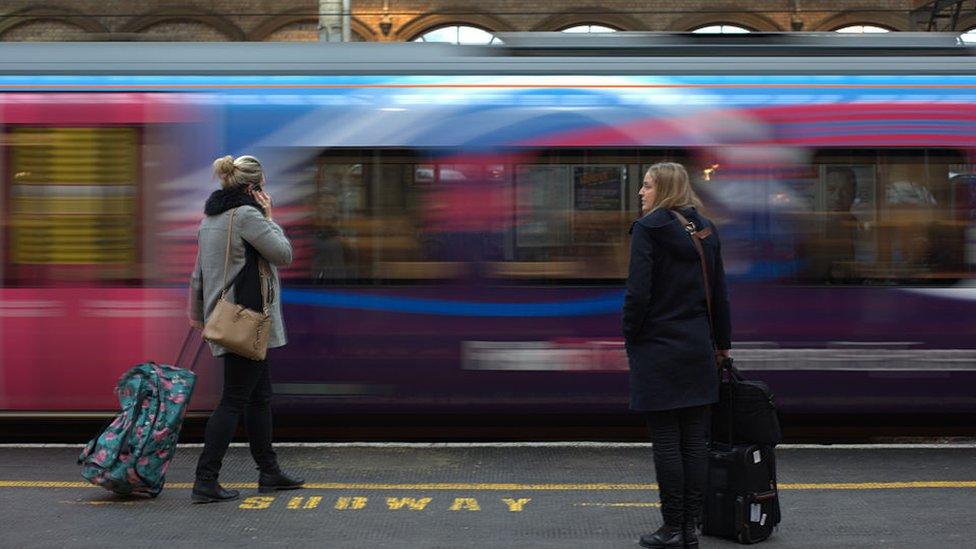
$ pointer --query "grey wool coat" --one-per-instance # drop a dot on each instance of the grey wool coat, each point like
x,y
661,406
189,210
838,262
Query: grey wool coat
x,y
251,226
670,345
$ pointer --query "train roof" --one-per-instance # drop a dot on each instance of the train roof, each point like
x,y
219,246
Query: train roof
x,y
521,53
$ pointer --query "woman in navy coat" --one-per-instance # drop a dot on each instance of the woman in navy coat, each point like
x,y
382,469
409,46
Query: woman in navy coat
x,y
673,348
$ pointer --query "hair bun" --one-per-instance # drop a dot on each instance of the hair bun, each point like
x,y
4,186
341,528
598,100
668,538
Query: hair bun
x,y
224,167
238,173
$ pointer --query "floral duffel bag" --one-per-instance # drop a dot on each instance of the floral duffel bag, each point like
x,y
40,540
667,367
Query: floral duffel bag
x,y
132,454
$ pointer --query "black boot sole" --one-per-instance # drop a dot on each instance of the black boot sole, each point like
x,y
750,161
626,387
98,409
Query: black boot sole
x,y
197,498
659,546
269,489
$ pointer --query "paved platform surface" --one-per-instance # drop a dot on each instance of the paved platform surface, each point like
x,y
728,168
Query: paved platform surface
x,y
436,496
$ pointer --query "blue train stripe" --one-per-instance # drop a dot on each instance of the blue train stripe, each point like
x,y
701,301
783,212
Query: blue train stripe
x,y
607,303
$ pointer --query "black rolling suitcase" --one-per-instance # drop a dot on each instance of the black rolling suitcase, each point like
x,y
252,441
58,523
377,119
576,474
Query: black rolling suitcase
x,y
741,499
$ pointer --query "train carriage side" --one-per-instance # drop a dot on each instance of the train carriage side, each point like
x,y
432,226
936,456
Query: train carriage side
x,y
461,239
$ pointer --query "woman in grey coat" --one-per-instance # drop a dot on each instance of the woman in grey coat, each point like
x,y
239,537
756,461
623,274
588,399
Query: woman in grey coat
x,y
673,347
255,238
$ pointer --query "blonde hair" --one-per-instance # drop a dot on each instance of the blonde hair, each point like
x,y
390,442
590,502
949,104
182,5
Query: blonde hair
x,y
672,188
241,172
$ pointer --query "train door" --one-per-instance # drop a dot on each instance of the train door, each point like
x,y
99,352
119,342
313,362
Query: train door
x,y
82,299
71,202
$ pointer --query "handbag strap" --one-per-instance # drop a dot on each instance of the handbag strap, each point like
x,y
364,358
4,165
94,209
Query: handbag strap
x,y
696,236
230,228
261,268
265,276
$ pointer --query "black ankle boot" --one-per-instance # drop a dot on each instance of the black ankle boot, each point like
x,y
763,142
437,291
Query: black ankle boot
x,y
691,535
209,491
276,480
666,537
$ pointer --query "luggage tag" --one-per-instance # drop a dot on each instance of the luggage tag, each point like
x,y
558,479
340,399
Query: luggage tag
x,y
756,456
755,510
762,521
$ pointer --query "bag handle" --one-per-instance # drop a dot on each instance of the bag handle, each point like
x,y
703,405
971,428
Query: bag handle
x,y
261,268
734,378
696,235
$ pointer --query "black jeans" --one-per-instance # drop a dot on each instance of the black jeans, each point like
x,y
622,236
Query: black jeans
x,y
680,439
247,392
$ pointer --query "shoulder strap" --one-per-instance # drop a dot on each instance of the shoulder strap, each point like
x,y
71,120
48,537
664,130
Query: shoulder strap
x,y
230,229
263,270
696,236
264,273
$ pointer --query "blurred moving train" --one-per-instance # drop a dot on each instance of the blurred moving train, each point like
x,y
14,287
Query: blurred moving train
x,y
460,214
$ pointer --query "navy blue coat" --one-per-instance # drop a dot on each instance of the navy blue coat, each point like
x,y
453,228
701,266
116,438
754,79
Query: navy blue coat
x,y
665,319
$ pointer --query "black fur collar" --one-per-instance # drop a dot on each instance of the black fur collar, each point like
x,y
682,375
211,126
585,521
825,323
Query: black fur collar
x,y
222,200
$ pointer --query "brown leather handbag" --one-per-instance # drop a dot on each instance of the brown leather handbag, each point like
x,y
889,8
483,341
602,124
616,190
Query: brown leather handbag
x,y
235,327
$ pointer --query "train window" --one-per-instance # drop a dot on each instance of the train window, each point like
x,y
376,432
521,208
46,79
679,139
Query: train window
x,y
573,210
71,205
883,217
411,216
379,217
571,221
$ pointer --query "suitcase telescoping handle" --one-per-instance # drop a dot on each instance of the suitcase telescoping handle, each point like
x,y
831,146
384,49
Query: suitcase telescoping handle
x,y
186,344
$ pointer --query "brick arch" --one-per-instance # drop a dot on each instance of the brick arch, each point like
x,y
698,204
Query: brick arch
x,y
878,19
300,15
966,22
590,16
431,21
185,13
751,21
50,13
362,29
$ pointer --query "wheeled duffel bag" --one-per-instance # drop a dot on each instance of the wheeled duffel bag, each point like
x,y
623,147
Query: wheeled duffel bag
x,y
132,454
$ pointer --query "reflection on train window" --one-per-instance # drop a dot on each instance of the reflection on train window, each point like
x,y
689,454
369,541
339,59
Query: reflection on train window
x,y
882,217
846,217
72,196
400,216
411,216
571,221
366,218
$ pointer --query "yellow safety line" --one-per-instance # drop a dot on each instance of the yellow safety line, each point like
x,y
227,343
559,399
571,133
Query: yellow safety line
x,y
528,487
634,504
879,485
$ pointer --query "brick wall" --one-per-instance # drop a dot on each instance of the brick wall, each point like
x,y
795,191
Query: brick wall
x,y
211,20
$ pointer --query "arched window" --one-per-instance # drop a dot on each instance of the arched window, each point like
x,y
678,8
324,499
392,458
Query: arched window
x,y
585,29
722,29
458,34
862,29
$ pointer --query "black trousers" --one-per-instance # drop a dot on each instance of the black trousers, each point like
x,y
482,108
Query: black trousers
x,y
247,392
680,439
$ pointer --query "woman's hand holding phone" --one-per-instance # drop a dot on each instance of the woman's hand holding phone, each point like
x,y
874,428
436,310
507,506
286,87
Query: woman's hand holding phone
x,y
264,199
